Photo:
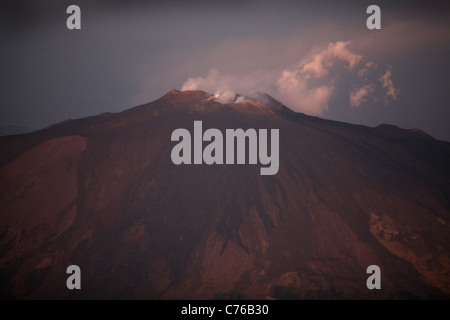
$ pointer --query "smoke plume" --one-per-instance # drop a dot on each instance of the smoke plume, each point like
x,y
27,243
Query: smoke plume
x,y
308,86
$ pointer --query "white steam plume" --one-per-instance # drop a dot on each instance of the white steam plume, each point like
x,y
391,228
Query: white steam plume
x,y
387,83
359,96
308,86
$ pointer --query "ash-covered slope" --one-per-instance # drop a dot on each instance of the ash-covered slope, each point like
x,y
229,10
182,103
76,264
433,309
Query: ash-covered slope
x,y
102,193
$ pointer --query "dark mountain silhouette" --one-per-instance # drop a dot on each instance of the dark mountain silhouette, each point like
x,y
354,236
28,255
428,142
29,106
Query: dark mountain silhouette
x,y
102,193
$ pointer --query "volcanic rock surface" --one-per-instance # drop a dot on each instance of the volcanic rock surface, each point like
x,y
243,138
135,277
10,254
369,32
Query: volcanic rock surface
x,y
102,193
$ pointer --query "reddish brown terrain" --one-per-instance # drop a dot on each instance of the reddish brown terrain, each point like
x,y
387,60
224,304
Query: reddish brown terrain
x,y
102,193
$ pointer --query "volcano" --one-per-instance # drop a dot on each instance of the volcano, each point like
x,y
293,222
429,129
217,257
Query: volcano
x,y
102,193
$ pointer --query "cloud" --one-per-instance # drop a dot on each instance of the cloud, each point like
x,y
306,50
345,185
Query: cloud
x,y
213,82
240,99
307,86
225,86
227,96
359,96
320,63
293,87
387,83
363,73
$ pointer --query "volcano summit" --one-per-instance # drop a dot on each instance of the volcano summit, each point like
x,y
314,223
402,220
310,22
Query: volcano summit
x,y
102,193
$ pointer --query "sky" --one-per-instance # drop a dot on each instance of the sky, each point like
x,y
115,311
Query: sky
x,y
316,57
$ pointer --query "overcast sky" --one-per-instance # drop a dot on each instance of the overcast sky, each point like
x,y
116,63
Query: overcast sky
x,y
317,57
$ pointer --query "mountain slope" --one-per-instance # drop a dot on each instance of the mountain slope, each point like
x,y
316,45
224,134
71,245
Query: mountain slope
x,y
102,193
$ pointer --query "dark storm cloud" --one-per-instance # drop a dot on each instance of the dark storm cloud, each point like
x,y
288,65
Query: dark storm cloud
x,y
131,52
